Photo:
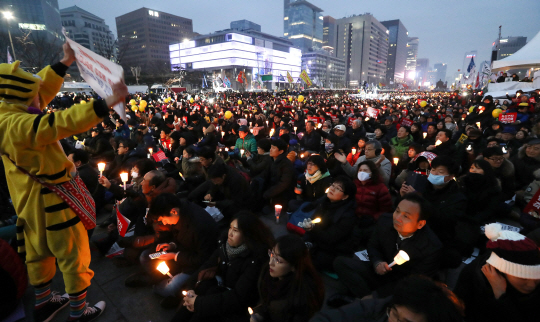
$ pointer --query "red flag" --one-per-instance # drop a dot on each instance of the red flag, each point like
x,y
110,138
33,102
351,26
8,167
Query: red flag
x,y
159,156
122,222
240,77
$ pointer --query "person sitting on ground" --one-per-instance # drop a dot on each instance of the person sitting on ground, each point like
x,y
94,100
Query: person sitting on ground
x,y
416,298
226,284
503,170
405,230
526,162
246,140
504,283
281,185
443,145
89,176
311,141
313,184
290,288
123,162
359,151
193,239
260,161
374,153
400,143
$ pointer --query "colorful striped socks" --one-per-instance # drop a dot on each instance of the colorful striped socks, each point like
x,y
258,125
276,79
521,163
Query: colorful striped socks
x,y
77,305
43,294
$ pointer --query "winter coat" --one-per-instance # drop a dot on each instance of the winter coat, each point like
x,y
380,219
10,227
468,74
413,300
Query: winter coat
x,y
424,249
248,143
372,310
258,165
385,167
505,174
99,147
124,163
316,190
209,139
239,275
480,303
524,168
282,179
445,149
401,145
233,192
354,135
372,199
311,141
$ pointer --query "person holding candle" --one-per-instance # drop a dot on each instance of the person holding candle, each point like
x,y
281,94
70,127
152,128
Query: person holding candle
x,y
430,135
356,131
405,230
443,145
246,140
124,160
290,288
401,142
237,264
281,176
313,183
209,139
357,151
311,141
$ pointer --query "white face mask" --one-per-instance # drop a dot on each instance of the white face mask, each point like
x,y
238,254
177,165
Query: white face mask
x,y
363,176
134,174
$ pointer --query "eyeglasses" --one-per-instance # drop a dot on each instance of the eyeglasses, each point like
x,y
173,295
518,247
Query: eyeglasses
x,y
496,159
274,257
336,187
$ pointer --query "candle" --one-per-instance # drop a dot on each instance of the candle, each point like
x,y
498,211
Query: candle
x,y
301,156
150,150
396,160
438,143
124,177
353,151
266,123
295,128
424,134
222,134
241,152
367,119
101,168
316,221
319,125
327,189
469,147
400,259
182,176
226,149
250,311
478,124
271,132
277,209
164,269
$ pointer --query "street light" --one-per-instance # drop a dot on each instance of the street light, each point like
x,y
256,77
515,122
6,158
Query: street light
x,y
8,15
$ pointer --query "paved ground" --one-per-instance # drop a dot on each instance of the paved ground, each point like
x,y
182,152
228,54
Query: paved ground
x,y
132,304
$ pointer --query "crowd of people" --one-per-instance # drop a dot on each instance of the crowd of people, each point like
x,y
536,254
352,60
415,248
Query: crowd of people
x,y
435,176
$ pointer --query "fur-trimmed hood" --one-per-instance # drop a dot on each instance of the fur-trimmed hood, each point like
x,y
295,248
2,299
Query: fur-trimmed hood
x,y
521,153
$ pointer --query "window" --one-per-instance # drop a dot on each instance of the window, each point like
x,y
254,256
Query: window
x,y
153,13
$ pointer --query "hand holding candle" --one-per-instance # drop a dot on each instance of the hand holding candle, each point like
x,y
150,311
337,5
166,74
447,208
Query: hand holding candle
x,y
277,209
164,269
101,168
396,161
124,177
438,143
400,258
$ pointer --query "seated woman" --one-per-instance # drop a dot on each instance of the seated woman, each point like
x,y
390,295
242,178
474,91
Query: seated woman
x,y
226,284
420,164
331,237
313,183
372,196
290,288
359,151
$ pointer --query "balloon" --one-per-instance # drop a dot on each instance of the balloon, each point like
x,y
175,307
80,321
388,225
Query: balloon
x,y
191,100
133,102
300,98
471,109
496,112
83,102
239,102
423,104
143,104
134,108
290,99
228,115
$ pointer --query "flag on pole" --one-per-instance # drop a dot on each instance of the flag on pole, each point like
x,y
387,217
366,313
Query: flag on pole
x,y
240,77
121,221
305,77
9,58
281,78
289,78
471,65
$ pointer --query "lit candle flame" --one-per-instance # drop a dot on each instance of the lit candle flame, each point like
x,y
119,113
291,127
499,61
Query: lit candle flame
x,y
150,150
163,268
295,128
241,152
184,293
354,151
438,143
316,221
478,124
124,176
226,149
101,166
400,258
396,160
327,189
425,134
250,311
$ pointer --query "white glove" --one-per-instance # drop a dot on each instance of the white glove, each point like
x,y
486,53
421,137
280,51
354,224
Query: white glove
x,y
79,145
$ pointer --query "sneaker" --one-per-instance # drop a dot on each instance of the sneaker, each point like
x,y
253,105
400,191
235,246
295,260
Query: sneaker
x,y
91,312
49,310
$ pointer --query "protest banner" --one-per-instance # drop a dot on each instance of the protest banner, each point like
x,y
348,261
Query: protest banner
x,y
508,118
289,78
317,120
406,122
373,113
98,72
305,78
533,207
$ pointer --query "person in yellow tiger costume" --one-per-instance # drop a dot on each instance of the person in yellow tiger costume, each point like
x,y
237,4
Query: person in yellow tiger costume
x,y
47,228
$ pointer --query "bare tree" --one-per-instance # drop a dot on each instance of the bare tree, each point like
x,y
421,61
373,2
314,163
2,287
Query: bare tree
x,y
37,49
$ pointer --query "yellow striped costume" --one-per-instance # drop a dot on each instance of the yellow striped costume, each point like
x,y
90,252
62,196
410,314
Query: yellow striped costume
x,y
47,229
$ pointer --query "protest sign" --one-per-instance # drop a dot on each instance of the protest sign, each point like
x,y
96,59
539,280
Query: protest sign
x,y
305,78
406,122
533,207
373,113
508,118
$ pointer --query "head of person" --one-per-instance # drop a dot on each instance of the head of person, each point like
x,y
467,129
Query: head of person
x,y
444,135
508,133
243,131
373,149
431,129
217,173
516,258
188,153
415,128
263,146
164,134
341,189
78,157
403,132
95,132
356,124
316,163
411,214
247,229
367,170
521,135
362,142
414,150
532,148
443,170
418,298
166,209
277,148
388,121
495,156
339,130
152,180
125,146
141,167
310,125
482,167
492,142
283,130
207,156
277,119
440,125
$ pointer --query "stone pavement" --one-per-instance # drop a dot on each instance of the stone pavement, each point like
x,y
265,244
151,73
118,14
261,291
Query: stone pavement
x,y
132,304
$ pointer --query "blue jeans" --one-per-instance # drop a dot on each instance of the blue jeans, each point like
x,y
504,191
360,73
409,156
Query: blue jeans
x,y
169,286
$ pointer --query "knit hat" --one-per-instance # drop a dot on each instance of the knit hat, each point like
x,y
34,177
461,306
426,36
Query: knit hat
x,y
513,253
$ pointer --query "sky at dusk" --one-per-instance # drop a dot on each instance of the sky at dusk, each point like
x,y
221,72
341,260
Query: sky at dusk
x,y
446,29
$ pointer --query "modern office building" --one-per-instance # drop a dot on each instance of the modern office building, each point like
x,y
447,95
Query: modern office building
x,y
397,51
221,56
362,41
245,25
303,24
42,16
440,72
507,46
422,68
324,70
467,60
144,36
412,53
329,35
88,30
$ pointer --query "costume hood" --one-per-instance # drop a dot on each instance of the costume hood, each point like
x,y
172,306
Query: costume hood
x,y
17,86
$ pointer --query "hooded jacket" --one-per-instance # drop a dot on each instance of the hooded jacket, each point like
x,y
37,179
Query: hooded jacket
x,y
248,143
524,168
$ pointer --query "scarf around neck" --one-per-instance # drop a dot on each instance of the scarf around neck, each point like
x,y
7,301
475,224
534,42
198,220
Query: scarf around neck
x,y
233,252
316,176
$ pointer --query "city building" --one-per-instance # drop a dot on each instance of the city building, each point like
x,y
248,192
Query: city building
x,y
362,41
422,68
467,60
89,30
431,78
144,36
329,35
221,56
507,46
440,72
324,70
41,16
397,51
412,53
303,24
245,25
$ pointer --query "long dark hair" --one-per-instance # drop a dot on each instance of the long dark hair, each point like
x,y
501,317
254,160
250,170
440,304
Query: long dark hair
x,y
255,233
375,173
306,293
